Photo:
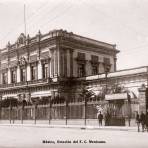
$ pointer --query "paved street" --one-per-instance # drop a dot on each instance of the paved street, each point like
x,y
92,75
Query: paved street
x,y
29,137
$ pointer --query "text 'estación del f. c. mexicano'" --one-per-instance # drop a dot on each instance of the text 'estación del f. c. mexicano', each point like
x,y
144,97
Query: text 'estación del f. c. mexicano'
x,y
62,75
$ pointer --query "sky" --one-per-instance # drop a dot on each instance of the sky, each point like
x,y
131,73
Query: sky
x,y
120,22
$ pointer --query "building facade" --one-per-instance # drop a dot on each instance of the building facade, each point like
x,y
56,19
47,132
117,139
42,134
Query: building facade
x,y
44,60
56,67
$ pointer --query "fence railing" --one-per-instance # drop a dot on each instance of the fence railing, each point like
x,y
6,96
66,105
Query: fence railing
x,y
49,112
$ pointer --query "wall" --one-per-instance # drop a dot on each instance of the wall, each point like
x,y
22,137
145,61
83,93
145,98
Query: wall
x,y
88,64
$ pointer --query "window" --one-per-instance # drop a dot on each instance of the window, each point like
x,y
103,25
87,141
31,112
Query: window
x,y
13,76
94,59
4,78
107,61
94,63
81,56
23,74
45,70
94,69
107,64
33,73
81,70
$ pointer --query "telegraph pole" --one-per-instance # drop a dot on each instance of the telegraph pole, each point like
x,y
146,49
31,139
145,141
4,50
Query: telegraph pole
x,y
25,19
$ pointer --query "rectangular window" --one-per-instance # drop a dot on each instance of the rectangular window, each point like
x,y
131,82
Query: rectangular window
x,y
45,70
94,58
94,70
23,74
81,56
13,76
81,70
33,72
107,61
4,78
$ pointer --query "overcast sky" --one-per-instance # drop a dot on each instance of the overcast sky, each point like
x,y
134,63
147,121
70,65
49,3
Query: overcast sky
x,y
121,22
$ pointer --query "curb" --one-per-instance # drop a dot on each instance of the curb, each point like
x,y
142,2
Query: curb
x,y
115,128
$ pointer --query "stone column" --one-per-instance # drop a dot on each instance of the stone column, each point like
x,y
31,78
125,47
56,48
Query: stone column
x,y
115,63
65,63
18,74
52,65
49,68
55,62
71,63
28,73
9,76
58,61
68,62
39,68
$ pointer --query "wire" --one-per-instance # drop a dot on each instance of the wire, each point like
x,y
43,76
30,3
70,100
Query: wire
x,y
114,19
122,25
37,12
49,12
57,16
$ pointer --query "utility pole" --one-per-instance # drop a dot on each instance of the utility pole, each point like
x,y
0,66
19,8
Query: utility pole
x,y
25,19
85,107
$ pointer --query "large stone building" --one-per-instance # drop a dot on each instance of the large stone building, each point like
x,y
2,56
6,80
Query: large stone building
x,y
36,65
59,65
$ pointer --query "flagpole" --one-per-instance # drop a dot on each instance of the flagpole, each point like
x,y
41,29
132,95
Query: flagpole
x,y
25,19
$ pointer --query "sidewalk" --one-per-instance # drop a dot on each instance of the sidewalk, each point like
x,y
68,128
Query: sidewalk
x,y
82,127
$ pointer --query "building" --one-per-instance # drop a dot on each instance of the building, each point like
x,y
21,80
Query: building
x,y
54,68
31,64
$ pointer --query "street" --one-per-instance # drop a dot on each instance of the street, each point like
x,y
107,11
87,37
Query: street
x,y
38,137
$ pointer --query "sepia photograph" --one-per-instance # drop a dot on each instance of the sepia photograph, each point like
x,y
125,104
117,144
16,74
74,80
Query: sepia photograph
x,y
73,73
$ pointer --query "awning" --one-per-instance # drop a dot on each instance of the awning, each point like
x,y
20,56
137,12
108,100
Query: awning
x,y
10,95
119,96
41,94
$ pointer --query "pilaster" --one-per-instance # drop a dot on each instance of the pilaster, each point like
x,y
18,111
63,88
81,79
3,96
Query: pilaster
x,y
68,63
28,72
9,76
18,74
39,68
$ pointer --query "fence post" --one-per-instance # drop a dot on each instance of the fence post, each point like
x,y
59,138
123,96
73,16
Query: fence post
x,y
22,111
35,108
10,114
85,110
10,109
50,106
66,106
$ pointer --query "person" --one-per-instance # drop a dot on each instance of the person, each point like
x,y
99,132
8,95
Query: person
x,y
138,121
146,121
100,118
142,120
107,118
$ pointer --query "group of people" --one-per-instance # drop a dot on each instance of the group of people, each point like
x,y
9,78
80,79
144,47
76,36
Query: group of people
x,y
107,118
142,120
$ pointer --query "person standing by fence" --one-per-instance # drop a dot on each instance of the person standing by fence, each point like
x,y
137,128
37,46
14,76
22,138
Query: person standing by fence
x,y
142,120
138,121
100,118
146,121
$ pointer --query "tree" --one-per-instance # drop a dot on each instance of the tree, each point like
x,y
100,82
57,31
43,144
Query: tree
x,y
86,95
